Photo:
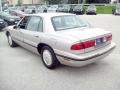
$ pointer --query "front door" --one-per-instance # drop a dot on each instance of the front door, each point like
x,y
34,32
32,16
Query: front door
x,y
33,33
18,30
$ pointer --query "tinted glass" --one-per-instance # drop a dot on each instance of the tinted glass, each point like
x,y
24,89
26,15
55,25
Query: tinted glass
x,y
78,7
35,24
23,23
40,26
67,22
92,7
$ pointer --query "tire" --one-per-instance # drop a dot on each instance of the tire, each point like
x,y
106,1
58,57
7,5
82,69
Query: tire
x,y
49,58
95,13
11,42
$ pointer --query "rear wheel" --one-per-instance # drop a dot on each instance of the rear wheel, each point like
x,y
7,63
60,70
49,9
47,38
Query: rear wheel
x,y
11,42
49,58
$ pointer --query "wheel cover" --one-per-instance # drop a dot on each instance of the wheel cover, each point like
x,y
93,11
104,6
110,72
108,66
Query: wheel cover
x,y
47,57
10,40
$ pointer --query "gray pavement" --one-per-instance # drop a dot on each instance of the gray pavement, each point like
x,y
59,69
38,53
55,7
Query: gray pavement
x,y
23,70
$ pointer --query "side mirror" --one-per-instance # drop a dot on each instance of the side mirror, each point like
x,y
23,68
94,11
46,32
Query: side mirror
x,y
15,27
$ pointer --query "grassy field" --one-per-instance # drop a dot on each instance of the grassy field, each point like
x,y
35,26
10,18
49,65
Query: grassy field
x,y
104,9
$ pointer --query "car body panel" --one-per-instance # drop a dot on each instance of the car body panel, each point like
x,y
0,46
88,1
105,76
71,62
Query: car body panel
x,y
89,58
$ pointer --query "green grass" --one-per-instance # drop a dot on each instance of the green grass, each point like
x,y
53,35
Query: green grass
x,y
104,9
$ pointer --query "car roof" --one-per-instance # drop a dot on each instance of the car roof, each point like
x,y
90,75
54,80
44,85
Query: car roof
x,y
50,14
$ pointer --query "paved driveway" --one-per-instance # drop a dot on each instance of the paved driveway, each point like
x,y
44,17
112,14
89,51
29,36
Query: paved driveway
x,y
23,70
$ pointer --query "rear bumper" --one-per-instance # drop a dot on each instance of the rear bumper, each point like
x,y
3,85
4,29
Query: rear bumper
x,y
91,13
86,59
117,13
78,12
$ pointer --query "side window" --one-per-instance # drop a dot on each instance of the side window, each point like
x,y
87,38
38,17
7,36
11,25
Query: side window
x,y
35,24
24,22
40,27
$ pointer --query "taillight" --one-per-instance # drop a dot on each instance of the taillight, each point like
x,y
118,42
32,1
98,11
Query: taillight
x,y
77,46
88,44
109,38
83,45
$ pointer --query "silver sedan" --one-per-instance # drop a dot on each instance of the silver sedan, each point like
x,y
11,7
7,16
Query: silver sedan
x,y
61,38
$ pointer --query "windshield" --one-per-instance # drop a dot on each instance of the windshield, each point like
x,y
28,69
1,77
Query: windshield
x,y
66,6
92,7
78,7
67,22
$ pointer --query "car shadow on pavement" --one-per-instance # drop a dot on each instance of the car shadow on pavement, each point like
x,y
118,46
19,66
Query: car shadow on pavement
x,y
94,68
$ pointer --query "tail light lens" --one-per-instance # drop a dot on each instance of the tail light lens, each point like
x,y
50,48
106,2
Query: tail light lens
x,y
77,46
88,44
83,45
109,38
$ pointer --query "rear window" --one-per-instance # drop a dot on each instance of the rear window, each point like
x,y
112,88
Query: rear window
x,y
67,22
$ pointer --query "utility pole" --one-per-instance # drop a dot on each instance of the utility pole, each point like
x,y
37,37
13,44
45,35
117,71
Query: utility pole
x,y
32,1
0,6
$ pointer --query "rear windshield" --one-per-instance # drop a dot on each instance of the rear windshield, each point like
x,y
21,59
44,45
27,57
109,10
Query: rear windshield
x,y
91,7
67,22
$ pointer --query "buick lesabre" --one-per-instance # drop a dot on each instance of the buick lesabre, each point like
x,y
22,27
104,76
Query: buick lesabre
x,y
61,38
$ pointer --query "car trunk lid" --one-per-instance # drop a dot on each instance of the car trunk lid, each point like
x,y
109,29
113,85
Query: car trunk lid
x,y
87,34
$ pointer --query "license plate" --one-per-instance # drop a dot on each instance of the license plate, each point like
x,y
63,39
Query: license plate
x,y
100,41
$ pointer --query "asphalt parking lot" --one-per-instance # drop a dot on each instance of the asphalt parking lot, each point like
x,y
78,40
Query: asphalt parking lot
x,y
23,70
